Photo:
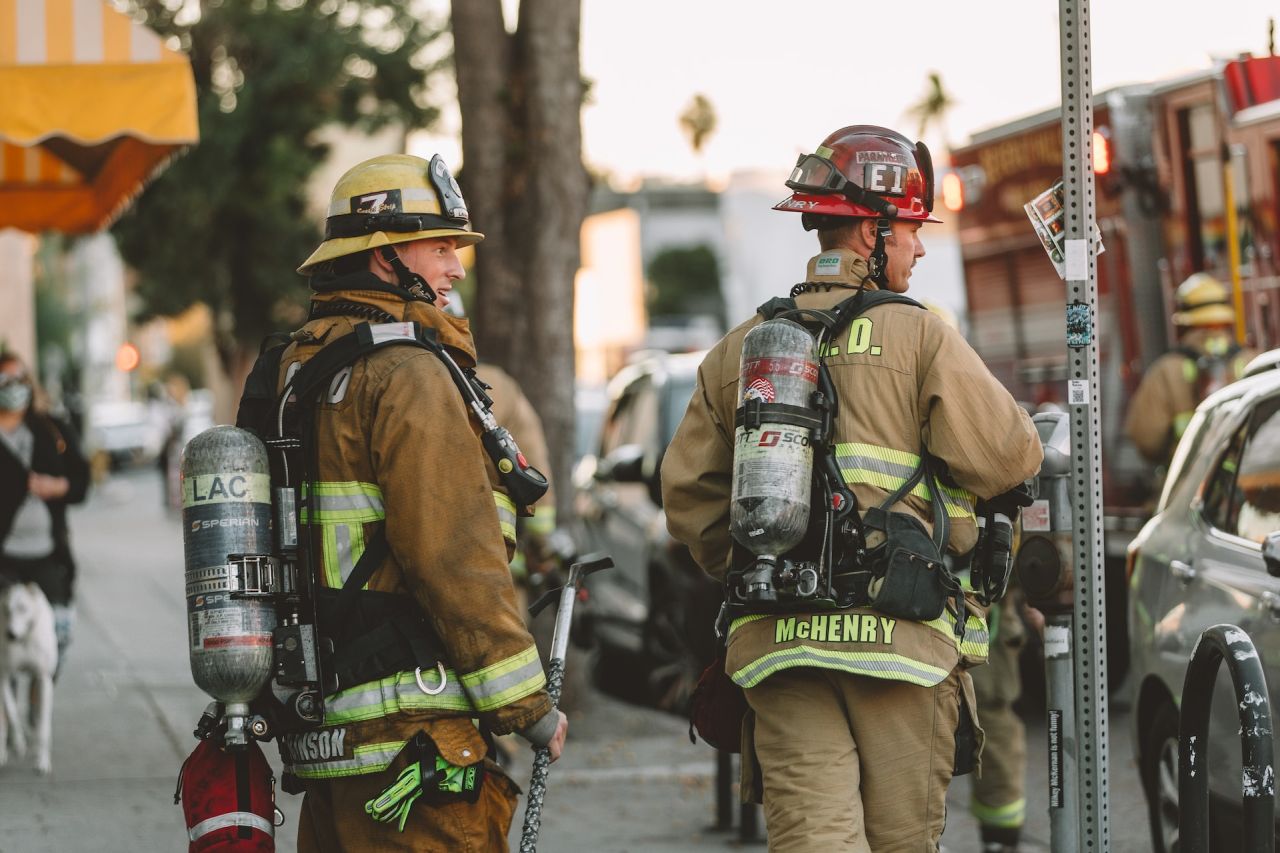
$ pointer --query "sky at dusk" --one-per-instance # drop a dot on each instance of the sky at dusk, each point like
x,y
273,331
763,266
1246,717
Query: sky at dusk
x,y
781,75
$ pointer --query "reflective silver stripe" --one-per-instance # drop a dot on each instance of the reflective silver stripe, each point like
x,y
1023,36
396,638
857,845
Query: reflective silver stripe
x,y
506,681
878,664
342,545
343,205
334,503
395,693
369,758
222,821
890,474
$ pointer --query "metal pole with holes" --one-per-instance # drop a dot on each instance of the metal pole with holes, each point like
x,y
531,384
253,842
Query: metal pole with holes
x,y
1089,637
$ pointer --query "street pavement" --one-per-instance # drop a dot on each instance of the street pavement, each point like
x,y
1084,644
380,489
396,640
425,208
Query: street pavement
x,y
125,706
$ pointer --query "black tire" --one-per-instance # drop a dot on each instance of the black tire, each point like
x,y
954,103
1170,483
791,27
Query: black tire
x,y
1158,766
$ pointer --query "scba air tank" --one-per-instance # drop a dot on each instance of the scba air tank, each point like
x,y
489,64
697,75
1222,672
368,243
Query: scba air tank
x,y
772,460
226,510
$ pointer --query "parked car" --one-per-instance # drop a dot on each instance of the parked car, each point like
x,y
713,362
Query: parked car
x,y
1197,563
651,618
128,432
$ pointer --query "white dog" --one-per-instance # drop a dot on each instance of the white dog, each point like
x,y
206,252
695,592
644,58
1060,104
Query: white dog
x,y
28,644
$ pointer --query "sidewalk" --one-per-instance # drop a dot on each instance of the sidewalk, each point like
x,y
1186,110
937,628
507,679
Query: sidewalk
x,y
125,707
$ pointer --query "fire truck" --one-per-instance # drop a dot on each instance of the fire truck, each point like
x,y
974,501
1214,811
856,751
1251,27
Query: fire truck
x,y
1172,159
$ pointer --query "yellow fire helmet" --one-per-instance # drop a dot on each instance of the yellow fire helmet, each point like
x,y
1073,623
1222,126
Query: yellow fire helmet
x,y
393,198
1203,301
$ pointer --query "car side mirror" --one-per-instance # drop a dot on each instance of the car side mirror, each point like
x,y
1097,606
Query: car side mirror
x,y
1271,553
624,464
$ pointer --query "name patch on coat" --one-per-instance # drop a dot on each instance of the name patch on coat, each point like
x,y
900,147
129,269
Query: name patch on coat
x,y
835,628
313,746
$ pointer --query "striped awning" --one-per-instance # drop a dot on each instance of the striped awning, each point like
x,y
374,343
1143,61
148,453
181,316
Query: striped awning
x,y
92,105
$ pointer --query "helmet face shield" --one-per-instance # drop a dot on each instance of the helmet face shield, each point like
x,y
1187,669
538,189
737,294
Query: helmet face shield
x,y
814,174
452,205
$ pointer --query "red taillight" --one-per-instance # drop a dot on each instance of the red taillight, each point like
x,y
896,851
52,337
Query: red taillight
x,y
1101,153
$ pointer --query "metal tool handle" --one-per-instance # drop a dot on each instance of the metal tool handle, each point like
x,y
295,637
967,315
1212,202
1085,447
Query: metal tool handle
x,y
541,766
555,680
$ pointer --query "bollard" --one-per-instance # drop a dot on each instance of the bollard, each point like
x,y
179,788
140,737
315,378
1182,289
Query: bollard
x,y
1216,644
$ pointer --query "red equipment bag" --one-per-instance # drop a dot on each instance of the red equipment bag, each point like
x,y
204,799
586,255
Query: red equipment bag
x,y
718,708
228,799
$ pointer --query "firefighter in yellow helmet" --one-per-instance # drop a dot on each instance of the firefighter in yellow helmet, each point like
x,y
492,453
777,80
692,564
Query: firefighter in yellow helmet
x,y
998,794
401,473
1205,359
858,718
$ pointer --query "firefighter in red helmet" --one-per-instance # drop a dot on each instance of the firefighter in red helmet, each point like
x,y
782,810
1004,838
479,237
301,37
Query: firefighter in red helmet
x,y
860,715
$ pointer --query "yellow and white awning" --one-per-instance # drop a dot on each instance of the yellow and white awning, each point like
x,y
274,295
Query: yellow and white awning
x,y
92,105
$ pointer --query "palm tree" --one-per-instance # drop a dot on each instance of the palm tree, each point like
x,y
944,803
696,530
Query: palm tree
x,y
698,121
932,109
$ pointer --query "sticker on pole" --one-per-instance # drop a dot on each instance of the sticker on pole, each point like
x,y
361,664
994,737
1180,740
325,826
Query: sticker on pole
x,y
1048,217
1078,392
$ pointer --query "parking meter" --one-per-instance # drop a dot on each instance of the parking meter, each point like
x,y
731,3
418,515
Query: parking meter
x,y
1044,563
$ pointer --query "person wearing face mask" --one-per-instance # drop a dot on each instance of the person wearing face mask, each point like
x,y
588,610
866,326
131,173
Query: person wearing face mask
x,y
42,471
402,493
1206,358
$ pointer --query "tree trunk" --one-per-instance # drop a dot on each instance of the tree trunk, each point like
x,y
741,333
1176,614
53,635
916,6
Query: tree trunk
x,y
484,69
521,103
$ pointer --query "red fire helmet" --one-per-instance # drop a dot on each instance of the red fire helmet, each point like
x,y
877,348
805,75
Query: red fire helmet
x,y
864,170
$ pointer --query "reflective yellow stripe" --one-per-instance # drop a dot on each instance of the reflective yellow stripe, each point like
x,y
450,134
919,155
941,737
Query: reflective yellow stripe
x,y
341,509
342,502
342,544
1005,817
368,758
506,516
395,693
506,681
745,620
875,664
976,639
542,522
889,469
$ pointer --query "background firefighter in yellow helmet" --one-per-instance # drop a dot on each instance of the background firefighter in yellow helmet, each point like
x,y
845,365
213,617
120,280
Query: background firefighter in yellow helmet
x,y
998,791
398,456
1205,359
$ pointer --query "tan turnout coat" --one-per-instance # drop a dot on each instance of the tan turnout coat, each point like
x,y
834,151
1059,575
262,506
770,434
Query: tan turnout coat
x,y
906,381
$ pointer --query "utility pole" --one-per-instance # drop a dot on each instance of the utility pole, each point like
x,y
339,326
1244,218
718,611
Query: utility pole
x,y
1089,740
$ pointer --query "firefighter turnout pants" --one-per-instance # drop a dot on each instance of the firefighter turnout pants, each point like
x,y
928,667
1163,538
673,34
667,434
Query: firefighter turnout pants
x,y
853,763
333,818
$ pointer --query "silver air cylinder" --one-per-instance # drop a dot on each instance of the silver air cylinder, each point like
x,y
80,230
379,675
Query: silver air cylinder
x,y
773,462
226,511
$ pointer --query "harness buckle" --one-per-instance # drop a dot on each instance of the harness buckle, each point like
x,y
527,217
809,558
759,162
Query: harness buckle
x,y
422,685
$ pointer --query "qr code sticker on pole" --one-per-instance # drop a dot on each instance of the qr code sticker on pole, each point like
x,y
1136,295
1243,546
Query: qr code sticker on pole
x,y
1078,392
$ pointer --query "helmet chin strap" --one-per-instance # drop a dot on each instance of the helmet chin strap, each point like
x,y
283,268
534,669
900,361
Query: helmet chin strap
x,y
878,261
416,286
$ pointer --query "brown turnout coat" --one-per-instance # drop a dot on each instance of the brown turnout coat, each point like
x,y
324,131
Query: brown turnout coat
x,y
397,447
